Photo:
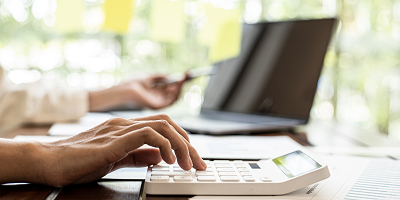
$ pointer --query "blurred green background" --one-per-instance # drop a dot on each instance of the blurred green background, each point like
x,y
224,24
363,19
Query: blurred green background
x,y
360,83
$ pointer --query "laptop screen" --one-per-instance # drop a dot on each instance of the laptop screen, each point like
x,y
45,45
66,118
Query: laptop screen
x,y
276,73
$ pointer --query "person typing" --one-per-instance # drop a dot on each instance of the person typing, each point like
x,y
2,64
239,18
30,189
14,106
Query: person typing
x,y
92,154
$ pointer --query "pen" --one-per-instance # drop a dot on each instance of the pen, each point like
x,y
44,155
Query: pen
x,y
193,73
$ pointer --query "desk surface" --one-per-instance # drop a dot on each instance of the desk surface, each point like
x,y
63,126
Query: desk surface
x,y
318,133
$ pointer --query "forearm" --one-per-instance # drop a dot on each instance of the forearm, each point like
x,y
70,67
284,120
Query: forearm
x,y
40,102
19,161
104,99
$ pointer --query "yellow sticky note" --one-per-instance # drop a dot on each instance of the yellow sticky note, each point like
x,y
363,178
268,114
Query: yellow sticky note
x,y
68,16
167,21
216,17
222,33
118,14
228,42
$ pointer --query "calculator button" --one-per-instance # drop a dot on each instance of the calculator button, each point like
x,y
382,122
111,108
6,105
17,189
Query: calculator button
x,y
183,178
221,161
241,165
162,173
223,165
180,170
245,174
177,167
205,173
206,170
243,170
186,173
249,178
225,169
230,178
227,173
159,178
265,179
206,178
160,169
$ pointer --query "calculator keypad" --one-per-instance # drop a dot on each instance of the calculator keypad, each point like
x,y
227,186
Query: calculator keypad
x,y
220,170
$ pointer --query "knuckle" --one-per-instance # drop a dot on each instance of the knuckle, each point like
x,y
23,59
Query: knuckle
x,y
163,116
117,120
163,124
146,131
167,143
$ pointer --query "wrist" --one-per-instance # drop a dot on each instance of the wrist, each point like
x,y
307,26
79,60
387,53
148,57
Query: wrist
x,y
21,162
104,99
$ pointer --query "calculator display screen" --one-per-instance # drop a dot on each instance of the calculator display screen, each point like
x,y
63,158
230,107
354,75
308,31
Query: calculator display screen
x,y
296,163
254,166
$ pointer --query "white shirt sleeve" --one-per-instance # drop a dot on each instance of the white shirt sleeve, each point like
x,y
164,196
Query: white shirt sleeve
x,y
39,102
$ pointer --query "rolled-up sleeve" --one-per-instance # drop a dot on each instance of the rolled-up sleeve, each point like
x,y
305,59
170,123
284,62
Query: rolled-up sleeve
x,y
39,102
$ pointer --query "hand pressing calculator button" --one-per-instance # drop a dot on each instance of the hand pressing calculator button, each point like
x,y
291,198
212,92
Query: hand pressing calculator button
x,y
276,176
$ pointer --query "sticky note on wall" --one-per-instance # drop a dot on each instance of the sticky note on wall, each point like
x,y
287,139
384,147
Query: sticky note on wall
x,y
222,33
167,21
117,14
228,41
68,16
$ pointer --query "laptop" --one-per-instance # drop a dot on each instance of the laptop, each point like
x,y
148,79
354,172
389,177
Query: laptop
x,y
270,85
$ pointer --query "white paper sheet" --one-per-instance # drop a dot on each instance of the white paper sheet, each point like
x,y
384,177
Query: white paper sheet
x,y
242,146
359,151
87,122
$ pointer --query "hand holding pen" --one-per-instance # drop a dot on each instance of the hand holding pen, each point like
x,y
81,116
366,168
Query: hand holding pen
x,y
153,92
175,78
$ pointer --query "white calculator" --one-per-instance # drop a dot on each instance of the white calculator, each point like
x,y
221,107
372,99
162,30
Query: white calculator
x,y
276,176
